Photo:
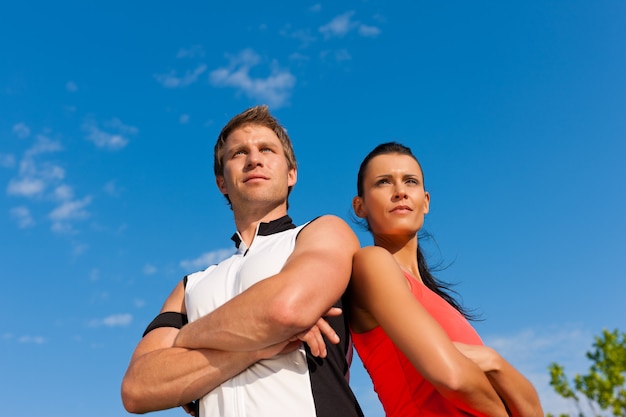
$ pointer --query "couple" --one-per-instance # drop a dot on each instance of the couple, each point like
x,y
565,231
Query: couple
x,y
265,332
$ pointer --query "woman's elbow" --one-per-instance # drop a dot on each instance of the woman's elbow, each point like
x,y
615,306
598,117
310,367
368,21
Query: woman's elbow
x,y
453,379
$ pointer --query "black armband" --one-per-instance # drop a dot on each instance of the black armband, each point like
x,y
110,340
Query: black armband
x,y
167,319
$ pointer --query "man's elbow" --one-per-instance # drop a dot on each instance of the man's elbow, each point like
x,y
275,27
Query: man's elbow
x,y
292,314
131,398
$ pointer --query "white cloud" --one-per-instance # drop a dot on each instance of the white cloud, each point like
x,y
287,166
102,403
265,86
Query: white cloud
x,y
339,26
23,217
25,187
118,320
79,248
63,192
112,189
342,55
531,351
43,145
94,275
42,181
38,340
114,320
194,51
315,8
368,31
149,269
7,160
172,80
184,119
71,86
342,24
302,35
205,260
274,90
68,212
21,130
115,140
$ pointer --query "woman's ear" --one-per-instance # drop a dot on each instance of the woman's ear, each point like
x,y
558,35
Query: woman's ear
x,y
426,202
357,206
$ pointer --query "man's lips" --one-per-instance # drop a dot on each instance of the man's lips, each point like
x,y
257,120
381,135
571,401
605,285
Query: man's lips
x,y
254,178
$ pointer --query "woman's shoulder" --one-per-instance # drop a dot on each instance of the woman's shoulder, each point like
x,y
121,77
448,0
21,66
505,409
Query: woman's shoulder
x,y
372,257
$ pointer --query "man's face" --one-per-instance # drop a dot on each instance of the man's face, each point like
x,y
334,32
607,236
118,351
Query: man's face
x,y
255,168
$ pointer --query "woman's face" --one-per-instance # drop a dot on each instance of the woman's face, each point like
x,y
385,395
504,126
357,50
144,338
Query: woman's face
x,y
394,200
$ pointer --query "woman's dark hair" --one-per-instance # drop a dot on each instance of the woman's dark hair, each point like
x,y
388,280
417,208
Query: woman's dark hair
x,y
437,286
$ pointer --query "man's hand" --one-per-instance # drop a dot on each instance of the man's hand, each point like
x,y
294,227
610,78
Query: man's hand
x,y
314,337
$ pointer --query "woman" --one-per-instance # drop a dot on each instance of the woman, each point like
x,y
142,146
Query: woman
x,y
413,338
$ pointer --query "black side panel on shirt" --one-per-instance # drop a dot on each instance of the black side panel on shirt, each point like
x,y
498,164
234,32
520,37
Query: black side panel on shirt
x,y
331,392
167,319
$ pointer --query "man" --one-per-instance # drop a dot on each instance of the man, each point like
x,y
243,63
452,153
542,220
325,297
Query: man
x,y
241,352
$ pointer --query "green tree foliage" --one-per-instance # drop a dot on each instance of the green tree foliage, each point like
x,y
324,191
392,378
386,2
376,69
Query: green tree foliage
x,y
602,388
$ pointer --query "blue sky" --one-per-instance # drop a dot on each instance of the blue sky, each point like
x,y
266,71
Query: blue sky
x,y
108,115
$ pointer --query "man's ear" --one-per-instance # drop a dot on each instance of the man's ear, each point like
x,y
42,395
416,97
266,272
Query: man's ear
x,y
221,184
357,206
292,177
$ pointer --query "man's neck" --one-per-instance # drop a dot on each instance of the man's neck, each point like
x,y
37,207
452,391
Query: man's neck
x,y
247,223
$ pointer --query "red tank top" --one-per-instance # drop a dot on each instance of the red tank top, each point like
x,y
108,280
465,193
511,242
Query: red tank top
x,y
402,391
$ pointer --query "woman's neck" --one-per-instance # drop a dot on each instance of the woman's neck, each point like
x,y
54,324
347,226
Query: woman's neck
x,y
403,250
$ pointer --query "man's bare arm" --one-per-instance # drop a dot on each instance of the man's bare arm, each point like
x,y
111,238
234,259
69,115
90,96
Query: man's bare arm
x,y
160,376
314,277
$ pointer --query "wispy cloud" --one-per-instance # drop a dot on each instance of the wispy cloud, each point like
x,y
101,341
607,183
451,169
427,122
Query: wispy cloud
x,y
34,176
149,269
71,86
26,187
44,181
195,51
275,89
38,340
68,212
21,130
368,31
115,138
205,260
7,160
23,217
341,25
172,80
303,35
112,189
114,320
532,350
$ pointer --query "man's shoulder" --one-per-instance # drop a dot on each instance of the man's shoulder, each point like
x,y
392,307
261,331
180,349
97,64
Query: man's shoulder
x,y
325,220
327,228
